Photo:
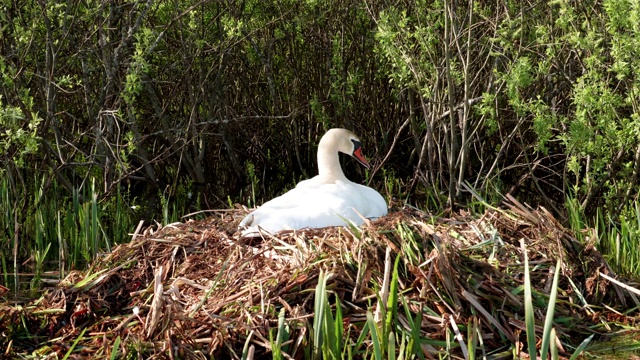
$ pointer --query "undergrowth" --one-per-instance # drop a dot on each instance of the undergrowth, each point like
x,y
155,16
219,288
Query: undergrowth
x,y
49,233
617,238
408,286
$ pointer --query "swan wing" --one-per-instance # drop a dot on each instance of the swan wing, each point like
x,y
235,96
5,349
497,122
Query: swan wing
x,y
313,205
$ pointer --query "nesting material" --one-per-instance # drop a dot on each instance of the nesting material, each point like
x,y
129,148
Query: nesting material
x,y
198,290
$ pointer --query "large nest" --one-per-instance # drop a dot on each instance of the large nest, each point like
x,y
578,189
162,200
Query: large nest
x,y
196,290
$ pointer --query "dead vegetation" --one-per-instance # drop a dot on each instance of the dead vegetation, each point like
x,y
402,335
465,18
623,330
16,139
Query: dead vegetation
x,y
195,290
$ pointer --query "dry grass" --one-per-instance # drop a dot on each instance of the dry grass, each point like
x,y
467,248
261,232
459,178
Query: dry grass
x,y
202,292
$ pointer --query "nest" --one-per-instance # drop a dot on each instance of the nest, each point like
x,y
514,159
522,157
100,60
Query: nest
x,y
196,290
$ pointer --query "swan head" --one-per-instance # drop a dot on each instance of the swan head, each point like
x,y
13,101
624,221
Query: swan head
x,y
345,142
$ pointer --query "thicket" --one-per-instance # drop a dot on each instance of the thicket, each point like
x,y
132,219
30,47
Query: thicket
x,y
111,112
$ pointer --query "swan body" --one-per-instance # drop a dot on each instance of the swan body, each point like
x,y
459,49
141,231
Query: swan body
x,y
328,199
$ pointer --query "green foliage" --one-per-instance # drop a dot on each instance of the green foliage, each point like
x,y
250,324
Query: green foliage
x,y
548,344
18,135
376,339
548,332
281,337
328,329
604,98
618,238
61,232
408,50
528,306
157,100
139,66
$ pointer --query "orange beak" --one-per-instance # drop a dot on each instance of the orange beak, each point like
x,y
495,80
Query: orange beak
x,y
357,153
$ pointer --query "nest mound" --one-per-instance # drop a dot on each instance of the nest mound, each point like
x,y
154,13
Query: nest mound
x,y
196,290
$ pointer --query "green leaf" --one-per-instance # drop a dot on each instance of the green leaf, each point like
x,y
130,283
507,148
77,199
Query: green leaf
x,y
318,319
377,350
548,322
115,349
528,305
582,346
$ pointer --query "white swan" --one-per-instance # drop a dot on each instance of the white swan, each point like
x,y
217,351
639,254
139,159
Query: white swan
x,y
327,199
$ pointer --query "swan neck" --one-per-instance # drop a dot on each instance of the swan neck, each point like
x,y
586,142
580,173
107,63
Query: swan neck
x,y
329,167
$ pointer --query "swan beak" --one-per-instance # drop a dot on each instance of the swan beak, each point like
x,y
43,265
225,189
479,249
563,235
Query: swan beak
x,y
357,153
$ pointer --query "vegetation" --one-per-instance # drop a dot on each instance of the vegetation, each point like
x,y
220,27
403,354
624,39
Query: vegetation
x,y
113,113
188,104
407,286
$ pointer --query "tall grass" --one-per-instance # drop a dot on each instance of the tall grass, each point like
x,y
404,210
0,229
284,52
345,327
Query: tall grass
x,y
385,338
615,238
548,345
49,231
7,220
619,239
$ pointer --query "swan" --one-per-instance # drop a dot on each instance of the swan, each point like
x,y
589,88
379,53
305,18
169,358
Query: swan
x,y
328,199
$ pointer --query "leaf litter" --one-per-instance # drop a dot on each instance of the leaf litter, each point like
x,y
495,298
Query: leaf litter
x,y
196,290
